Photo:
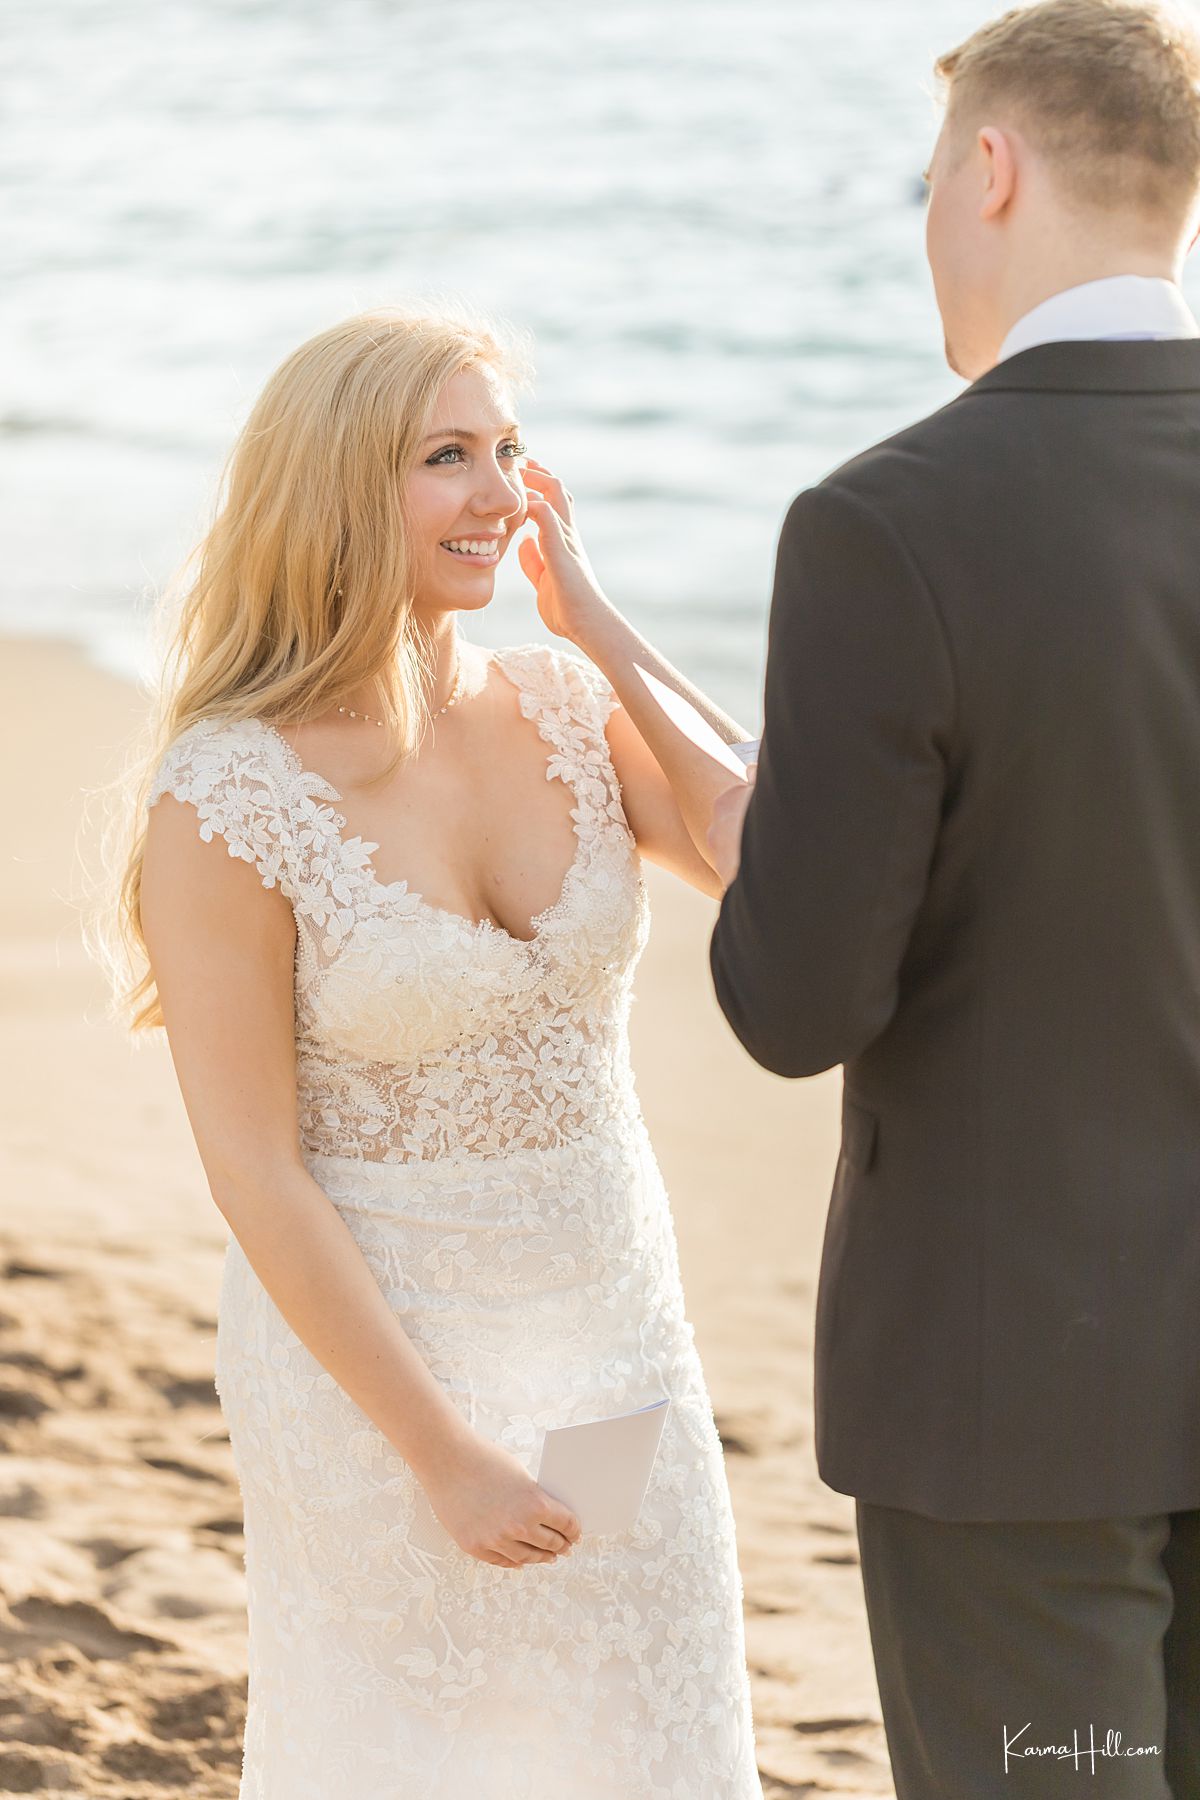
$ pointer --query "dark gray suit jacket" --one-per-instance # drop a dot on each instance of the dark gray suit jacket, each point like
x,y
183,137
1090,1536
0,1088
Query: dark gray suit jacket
x,y
971,873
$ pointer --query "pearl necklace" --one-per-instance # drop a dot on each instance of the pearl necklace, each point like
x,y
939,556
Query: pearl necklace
x,y
455,697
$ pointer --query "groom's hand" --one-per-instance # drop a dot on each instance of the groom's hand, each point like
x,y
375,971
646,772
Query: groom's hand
x,y
724,836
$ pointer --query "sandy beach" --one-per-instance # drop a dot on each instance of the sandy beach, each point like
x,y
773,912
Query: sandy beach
x,y
122,1616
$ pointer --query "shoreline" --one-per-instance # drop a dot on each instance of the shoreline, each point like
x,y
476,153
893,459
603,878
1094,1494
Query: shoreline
x,y
121,1582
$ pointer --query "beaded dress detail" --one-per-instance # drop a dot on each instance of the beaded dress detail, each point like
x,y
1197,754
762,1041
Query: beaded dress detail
x,y
466,1102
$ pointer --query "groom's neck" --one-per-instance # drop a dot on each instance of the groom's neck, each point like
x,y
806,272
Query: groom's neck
x,y
1049,267
1032,286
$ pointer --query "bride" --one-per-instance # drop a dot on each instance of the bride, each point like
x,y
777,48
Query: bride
x,y
386,899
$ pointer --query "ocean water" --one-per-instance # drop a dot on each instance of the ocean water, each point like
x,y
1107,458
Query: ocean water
x,y
707,213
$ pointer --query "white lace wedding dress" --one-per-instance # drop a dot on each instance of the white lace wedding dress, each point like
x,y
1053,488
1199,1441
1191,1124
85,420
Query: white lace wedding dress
x,y
466,1101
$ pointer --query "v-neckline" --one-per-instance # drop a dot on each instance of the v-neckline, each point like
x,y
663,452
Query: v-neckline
x,y
384,889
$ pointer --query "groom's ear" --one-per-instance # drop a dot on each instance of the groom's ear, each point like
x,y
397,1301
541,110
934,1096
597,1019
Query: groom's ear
x,y
1000,170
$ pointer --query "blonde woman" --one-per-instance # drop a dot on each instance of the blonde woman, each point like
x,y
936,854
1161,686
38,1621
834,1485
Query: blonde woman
x,y
388,902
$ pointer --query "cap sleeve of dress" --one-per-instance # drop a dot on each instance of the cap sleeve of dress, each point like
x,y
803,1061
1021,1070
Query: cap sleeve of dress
x,y
223,769
588,684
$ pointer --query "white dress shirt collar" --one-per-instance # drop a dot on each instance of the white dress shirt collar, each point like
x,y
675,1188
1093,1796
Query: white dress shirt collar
x,y
1117,306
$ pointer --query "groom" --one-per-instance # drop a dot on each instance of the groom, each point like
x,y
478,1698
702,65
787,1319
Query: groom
x,y
970,872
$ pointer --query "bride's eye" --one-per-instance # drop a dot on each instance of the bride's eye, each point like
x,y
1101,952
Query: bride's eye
x,y
441,458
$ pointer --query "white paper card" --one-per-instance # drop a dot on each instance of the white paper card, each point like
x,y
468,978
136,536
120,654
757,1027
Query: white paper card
x,y
601,1469
693,725
748,751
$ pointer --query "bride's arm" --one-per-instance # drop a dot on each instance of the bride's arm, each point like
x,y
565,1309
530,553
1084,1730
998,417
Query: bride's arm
x,y
669,785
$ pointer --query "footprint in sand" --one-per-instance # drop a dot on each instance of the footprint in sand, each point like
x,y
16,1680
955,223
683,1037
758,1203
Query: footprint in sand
x,y
178,1579
23,1501
172,1466
77,1622
181,1390
21,1402
205,1713
134,1761
106,1553
45,1727
37,1365
817,1727
735,1442
227,1527
21,1773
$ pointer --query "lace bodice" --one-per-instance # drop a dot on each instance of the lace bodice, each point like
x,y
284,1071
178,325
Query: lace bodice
x,y
420,1032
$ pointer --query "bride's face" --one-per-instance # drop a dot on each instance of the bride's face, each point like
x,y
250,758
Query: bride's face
x,y
466,490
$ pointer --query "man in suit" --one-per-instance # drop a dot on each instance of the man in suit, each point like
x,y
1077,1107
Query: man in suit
x,y
969,870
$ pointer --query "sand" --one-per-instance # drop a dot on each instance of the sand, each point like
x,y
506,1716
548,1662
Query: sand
x,y
122,1603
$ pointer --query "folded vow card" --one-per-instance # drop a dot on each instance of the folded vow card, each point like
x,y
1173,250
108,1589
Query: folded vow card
x,y
601,1469
746,752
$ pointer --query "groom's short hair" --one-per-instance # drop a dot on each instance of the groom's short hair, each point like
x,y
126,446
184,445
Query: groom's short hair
x,y
1107,91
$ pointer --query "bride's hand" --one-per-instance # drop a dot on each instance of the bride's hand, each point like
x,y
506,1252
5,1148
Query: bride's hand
x,y
569,598
495,1511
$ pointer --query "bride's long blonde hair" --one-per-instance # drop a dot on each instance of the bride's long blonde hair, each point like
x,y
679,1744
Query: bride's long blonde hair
x,y
301,590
